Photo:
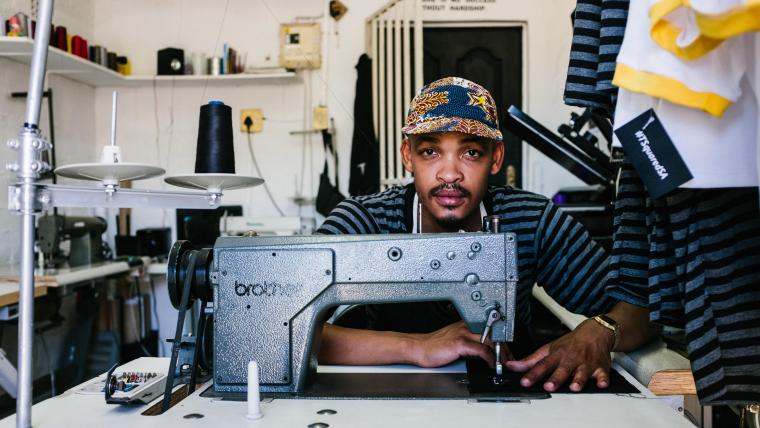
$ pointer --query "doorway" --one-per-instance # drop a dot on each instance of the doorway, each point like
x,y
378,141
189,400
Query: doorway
x,y
491,56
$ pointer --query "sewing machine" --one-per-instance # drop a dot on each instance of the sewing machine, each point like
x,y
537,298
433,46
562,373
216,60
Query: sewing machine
x,y
83,233
271,294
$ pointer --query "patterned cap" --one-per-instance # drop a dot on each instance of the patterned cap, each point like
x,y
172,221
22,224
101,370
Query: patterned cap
x,y
453,104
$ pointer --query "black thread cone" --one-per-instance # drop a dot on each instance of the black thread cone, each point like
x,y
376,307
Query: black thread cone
x,y
215,153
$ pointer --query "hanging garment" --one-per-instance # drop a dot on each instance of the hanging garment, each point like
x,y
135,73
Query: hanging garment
x,y
328,195
717,136
719,151
693,258
614,19
364,177
598,28
672,66
714,20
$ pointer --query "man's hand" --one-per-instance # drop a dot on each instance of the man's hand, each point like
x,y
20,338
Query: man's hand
x,y
450,343
578,355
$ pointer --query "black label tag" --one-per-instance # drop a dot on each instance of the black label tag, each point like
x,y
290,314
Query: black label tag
x,y
651,151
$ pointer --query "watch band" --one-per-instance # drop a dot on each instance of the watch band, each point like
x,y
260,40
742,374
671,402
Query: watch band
x,y
611,324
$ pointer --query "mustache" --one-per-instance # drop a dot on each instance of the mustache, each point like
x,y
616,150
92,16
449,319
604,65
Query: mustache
x,y
450,186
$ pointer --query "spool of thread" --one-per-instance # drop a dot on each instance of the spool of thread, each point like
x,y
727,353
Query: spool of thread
x,y
215,153
215,66
99,55
123,66
18,25
112,63
199,63
79,47
61,38
103,56
84,50
76,46
68,43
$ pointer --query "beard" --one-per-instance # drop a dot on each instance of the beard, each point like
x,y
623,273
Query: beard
x,y
450,221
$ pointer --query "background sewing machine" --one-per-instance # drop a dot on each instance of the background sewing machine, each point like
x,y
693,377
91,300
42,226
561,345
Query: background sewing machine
x,y
83,233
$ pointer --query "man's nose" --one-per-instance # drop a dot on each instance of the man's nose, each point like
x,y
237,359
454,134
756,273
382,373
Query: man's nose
x,y
449,171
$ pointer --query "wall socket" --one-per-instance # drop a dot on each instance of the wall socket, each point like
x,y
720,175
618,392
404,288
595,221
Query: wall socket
x,y
256,115
320,118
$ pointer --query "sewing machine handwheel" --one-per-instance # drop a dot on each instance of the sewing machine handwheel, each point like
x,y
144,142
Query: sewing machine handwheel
x,y
177,270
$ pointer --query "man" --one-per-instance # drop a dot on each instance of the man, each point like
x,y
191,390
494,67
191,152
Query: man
x,y
452,144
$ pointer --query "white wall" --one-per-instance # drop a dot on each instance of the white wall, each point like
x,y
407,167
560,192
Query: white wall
x,y
161,126
73,109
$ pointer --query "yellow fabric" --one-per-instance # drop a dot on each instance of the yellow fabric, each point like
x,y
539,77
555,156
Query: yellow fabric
x,y
669,89
740,20
665,33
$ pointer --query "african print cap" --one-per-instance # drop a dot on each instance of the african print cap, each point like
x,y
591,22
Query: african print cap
x,y
453,104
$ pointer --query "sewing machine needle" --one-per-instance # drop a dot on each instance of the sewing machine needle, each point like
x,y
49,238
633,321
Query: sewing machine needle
x,y
499,368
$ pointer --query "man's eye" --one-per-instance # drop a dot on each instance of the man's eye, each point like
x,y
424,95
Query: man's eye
x,y
472,153
428,152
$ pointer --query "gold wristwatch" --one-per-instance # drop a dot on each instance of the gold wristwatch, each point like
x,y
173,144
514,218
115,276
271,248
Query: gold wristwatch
x,y
611,324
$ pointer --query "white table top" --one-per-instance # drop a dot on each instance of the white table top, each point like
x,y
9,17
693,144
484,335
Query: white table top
x,y
565,410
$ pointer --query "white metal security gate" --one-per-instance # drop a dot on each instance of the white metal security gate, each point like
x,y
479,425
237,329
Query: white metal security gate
x,y
395,46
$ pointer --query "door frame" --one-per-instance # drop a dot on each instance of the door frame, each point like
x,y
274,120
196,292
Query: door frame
x,y
523,26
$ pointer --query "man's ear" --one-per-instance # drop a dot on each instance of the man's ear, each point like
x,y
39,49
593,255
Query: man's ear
x,y
406,154
497,157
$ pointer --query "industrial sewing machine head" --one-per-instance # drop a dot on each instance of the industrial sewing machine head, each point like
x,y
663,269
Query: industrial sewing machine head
x,y
84,234
271,294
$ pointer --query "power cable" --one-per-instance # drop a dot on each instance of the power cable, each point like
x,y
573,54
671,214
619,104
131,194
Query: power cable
x,y
248,124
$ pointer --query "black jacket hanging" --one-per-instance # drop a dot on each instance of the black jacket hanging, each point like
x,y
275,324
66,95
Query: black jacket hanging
x,y
328,195
364,176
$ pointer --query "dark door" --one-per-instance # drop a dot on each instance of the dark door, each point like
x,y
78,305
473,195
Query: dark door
x,y
492,57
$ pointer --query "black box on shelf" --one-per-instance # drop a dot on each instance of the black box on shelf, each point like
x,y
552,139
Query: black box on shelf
x,y
171,61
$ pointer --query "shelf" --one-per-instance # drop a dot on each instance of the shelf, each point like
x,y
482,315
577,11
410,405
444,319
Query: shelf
x,y
229,79
62,63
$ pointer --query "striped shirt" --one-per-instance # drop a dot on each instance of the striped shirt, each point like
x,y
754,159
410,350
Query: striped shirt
x,y
692,257
553,249
598,29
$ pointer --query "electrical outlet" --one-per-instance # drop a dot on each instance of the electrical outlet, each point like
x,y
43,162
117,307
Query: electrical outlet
x,y
319,118
257,117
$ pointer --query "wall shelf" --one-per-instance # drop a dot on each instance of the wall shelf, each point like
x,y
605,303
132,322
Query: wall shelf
x,y
62,63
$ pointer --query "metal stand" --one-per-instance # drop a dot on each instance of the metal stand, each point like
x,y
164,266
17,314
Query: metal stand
x,y
28,167
28,198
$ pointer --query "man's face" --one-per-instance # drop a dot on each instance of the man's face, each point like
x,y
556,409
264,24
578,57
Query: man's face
x,y
451,172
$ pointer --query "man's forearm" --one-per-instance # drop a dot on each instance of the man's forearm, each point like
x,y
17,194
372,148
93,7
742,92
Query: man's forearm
x,y
634,325
342,345
350,346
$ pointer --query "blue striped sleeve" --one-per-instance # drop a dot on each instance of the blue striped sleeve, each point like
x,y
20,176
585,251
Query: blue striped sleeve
x,y
350,217
571,266
628,275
